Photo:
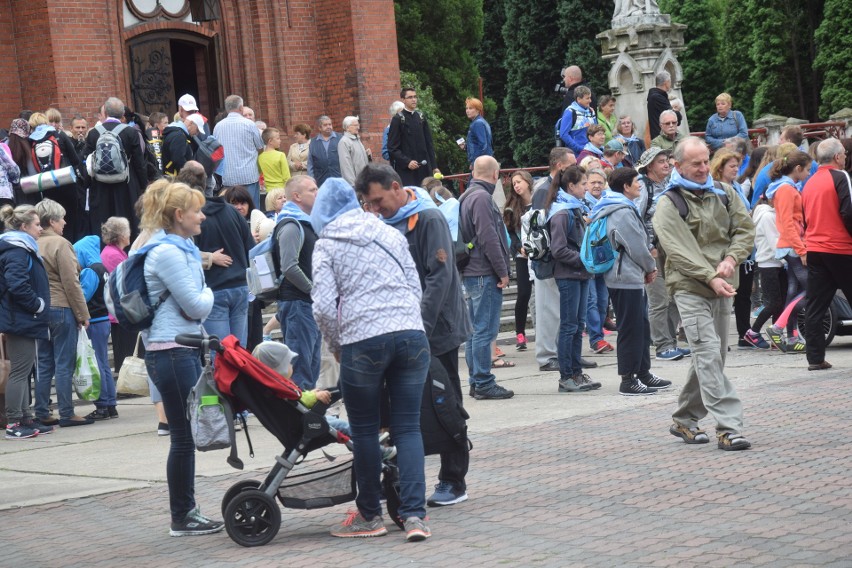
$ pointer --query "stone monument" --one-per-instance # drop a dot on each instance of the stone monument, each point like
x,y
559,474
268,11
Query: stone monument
x,y
641,43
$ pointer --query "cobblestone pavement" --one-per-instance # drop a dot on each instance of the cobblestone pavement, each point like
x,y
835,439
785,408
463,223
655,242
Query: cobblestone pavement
x,y
609,489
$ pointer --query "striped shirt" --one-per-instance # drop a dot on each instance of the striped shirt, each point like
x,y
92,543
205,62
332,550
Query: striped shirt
x,y
241,140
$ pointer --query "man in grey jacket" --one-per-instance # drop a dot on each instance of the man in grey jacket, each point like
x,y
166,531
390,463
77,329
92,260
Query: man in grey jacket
x,y
445,318
485,276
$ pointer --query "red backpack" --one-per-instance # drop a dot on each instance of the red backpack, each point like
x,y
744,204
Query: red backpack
x,y
46,155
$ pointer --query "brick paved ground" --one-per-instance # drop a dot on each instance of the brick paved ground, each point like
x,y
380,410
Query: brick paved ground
x,y
609,489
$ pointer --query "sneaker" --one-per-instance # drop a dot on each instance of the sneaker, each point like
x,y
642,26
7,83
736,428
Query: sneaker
x,y
819,366
795,346
572,384
356,526
49,420
684,351
196,524
522,342
586,381
238,425
586,364
609,325
18,431
495,392
743,344
551,365
388,452
731,442
98,414
34,424
652,381
416,530
602,346
162,429
673,354
634,387
755,340
113,413
775,335
692,435
446,494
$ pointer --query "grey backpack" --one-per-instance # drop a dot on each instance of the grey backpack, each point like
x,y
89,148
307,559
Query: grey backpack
x,y
109,159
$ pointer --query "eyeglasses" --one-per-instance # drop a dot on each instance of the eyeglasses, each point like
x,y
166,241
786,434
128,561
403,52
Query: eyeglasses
x,y
668,123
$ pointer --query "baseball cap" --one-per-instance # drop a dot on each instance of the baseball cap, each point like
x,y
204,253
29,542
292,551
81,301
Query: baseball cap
x,y
199,122
648,156
187,102
614,146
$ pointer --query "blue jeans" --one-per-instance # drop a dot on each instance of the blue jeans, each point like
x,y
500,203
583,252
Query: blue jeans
x,y
484,301
99,334
301,335
175,372
573,298
254,191
597,308
57,356
397,362
229,315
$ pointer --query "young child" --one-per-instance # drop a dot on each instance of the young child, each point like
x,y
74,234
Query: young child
x,y
272,162
279,358
773,280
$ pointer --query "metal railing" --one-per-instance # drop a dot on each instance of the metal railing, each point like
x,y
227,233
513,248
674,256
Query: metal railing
x,y
505,175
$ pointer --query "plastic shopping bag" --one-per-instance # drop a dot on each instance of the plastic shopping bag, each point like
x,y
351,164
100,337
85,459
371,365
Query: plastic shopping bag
x,y
87,377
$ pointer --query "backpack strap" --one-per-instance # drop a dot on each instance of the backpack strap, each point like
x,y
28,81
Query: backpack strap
x,y
680,202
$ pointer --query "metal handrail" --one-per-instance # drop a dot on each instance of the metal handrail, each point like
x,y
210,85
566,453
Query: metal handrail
x,y
505,174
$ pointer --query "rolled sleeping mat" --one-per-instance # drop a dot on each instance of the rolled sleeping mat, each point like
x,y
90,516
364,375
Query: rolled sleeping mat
x,y
48,180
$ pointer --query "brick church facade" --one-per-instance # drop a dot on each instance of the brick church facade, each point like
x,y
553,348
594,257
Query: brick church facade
x,y
290,60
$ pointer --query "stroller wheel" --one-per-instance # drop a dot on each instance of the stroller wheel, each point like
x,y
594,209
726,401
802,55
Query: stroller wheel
x,y
390,484
236,489
252,518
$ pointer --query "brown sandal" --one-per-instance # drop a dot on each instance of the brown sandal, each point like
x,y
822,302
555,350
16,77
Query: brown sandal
x,y
501,364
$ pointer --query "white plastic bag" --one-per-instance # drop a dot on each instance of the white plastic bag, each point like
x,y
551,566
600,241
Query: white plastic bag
x,y
87,376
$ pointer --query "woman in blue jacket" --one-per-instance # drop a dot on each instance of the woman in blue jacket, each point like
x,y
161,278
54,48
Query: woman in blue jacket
x,y
172,212
726,123
24,304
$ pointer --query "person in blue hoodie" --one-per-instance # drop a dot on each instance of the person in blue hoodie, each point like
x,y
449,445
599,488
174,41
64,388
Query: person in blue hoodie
x,y
92,280
24,307
634,267
576,119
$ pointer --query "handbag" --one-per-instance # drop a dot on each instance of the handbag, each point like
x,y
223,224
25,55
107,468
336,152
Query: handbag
x,y
133,375
5,364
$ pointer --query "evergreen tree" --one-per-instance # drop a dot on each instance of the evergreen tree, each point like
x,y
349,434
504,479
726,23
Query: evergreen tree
x,y
702,80
580,22
491,57
734,57
834,38
436,40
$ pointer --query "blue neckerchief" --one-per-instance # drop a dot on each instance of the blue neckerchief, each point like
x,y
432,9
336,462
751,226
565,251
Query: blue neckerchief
x,y
676,180
585,117
180,124
450,209
41,131
439,198
739,190
420,202
773,187
628,138
593,149
564,202
21,239
290,209
161,237
591,199
613,198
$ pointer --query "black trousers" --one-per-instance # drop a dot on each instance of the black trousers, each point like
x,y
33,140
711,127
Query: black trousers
x,y
827,273
454,464
522,301
742,301
773,290
634,330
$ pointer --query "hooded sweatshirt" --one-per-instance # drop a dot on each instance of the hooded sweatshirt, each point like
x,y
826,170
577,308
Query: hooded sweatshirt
x,y
627,234
92,276
765,236
176,147
365,281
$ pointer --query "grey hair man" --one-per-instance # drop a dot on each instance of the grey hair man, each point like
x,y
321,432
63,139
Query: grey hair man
x,y
242,142
669,134
323,154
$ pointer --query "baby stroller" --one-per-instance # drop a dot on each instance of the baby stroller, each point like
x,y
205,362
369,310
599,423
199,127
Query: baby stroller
x,y
251,515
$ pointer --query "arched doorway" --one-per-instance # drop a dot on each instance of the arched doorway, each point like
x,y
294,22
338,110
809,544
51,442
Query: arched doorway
x,y
164,65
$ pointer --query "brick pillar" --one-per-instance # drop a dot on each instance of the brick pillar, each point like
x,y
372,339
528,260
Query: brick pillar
x,y
10,104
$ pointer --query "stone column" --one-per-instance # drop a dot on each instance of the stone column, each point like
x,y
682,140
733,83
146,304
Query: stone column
x,y
638,48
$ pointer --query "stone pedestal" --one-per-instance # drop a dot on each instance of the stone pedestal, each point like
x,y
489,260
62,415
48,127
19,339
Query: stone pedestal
x,y
638,48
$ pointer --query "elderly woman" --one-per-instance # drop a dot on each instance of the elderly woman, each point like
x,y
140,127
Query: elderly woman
x,y
726,123
115,234
23,313
297,157
353,156
68,313
626,134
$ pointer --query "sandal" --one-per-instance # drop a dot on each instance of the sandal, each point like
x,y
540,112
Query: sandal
x,y
498,352
731,442
501,364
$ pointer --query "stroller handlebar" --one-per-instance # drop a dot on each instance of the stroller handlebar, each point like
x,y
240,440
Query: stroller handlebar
x,y
197,340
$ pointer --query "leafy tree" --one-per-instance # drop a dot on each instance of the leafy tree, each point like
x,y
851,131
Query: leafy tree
x,y
734,59
834,37
491,57
580,22
702,80
436,41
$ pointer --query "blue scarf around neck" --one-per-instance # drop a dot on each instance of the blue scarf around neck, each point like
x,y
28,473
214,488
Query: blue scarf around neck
x,y
676,180
564,202
773,187
161,237
420,202
613,198
21,239
290,209
589,147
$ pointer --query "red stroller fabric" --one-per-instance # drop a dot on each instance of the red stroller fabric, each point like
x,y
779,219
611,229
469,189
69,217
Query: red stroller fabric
x,y
234,360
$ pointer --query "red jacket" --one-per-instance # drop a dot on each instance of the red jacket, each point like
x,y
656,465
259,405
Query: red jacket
x,y
828,212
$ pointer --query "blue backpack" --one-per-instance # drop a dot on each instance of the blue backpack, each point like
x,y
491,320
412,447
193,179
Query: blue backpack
x,y
126,294
596,252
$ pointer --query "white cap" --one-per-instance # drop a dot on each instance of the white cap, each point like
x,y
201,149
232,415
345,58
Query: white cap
x,y
187,102
198,120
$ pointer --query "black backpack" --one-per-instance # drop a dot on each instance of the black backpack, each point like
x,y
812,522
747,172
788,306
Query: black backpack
x,y
681,204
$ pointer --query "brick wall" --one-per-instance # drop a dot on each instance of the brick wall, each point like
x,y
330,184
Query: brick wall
x,y
11,100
